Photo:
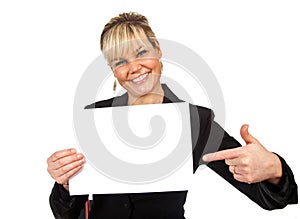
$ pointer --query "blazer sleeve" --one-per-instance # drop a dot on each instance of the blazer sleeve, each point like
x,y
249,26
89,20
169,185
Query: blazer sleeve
x,y
265,194
65,206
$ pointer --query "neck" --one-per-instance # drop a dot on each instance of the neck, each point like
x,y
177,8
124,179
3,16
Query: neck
x,y
154,97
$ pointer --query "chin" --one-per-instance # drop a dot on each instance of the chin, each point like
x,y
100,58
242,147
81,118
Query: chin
x,y
141,90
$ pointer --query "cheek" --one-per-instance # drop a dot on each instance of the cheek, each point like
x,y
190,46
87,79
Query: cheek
x,y
121,76
154,65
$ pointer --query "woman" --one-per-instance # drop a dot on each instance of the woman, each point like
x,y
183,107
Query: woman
x,y
133,52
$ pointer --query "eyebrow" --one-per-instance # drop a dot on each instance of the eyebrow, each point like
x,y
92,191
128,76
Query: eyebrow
x,y
118,59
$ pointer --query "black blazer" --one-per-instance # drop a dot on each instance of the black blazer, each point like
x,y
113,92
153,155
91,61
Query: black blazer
x,y
207,136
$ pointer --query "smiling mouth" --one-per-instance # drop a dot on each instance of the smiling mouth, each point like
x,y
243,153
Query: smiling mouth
x,y
140,79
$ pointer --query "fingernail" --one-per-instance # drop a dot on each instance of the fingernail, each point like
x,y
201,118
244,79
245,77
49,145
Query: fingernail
x,y
205,157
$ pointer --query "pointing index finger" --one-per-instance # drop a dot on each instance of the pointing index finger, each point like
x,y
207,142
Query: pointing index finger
x,y
222,155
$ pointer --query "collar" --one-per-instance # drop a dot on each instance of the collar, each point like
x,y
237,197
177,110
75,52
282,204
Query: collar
x,y
169,97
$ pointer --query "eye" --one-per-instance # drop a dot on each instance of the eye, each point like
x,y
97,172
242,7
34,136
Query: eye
x,y
142,52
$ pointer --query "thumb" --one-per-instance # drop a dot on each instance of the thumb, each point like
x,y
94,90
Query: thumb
x,y
248,138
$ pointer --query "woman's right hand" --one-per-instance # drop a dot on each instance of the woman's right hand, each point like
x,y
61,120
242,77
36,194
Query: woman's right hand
x,y
62,165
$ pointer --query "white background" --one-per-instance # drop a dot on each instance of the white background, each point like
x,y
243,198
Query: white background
x,y
251,46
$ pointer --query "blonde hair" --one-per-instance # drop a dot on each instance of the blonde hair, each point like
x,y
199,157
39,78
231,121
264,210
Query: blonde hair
x,y
124,28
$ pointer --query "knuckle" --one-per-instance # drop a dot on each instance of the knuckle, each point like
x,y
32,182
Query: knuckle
x,y
49,170
245,161
236,177
243,151
55,156
247,170
74,157
63,169
249,179
61,162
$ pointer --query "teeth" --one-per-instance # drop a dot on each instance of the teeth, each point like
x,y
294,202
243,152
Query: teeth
x,y
139,78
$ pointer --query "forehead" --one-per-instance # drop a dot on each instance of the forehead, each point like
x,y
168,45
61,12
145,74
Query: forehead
x,y
123,47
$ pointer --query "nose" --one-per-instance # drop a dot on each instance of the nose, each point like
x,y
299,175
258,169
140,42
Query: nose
x,y
134,66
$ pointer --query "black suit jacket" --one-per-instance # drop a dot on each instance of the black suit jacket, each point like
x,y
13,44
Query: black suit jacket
x,y
207,136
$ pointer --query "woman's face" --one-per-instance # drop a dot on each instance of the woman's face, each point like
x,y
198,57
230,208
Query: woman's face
x,y
138,67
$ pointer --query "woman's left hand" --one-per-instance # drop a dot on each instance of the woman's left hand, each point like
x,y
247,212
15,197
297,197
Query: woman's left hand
x,y
251,163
